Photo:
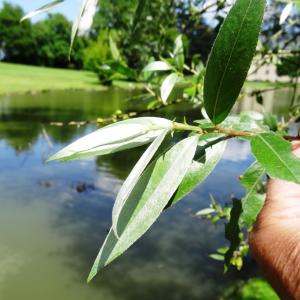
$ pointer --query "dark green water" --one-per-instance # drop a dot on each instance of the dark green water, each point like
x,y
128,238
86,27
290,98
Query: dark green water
x,y
54,217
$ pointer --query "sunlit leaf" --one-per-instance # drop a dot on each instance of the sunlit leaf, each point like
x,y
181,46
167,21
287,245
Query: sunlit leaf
x,y
87,11
179,53
217,257
168,86
114,138
134,177
147,200
275,155
286,13
157,66
253,202
42,9
231,57
205,212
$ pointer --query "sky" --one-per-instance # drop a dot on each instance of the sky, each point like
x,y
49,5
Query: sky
x,y
70,8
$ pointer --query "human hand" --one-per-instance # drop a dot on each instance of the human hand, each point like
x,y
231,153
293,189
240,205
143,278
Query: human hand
x,y
275,240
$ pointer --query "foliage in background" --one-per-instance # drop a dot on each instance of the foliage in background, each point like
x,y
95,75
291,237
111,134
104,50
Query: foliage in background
x,y
44,43
153,35
52,37
97,51
166,74
289,65
16,44
160,22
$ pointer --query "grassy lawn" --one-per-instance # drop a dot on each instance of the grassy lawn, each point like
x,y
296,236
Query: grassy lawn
x,y
16,78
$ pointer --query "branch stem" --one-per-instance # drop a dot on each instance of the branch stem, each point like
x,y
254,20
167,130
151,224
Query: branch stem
x,y
230,133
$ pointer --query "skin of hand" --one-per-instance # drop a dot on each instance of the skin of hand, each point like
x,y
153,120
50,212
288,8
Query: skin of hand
x,y
275,239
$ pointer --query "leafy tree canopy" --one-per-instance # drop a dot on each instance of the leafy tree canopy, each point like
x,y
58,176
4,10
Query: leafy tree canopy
x,y
44,43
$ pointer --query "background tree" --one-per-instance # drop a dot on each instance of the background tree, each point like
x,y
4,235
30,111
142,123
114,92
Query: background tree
x,y
16,43
98,51
154,35
52,36
44,43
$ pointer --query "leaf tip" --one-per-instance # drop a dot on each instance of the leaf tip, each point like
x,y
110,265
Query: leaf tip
x,y
91,276
59,156
94,272
51,159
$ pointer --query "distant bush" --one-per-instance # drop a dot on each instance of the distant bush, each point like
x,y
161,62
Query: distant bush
x,y
97,52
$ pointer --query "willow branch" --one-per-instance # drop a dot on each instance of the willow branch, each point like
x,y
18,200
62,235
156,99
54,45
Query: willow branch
x,y
229,133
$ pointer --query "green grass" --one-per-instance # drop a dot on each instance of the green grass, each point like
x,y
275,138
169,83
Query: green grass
x,y
16,78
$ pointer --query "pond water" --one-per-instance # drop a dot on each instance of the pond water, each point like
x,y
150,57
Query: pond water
x,y
54,217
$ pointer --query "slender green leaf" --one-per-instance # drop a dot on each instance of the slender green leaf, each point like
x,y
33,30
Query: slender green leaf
x,y
231,57
179,53
157,66
76,25
275,155
217,257
168,86
205,212
208,159
148,199
114,138
253,202
84,10
42,9
134,177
